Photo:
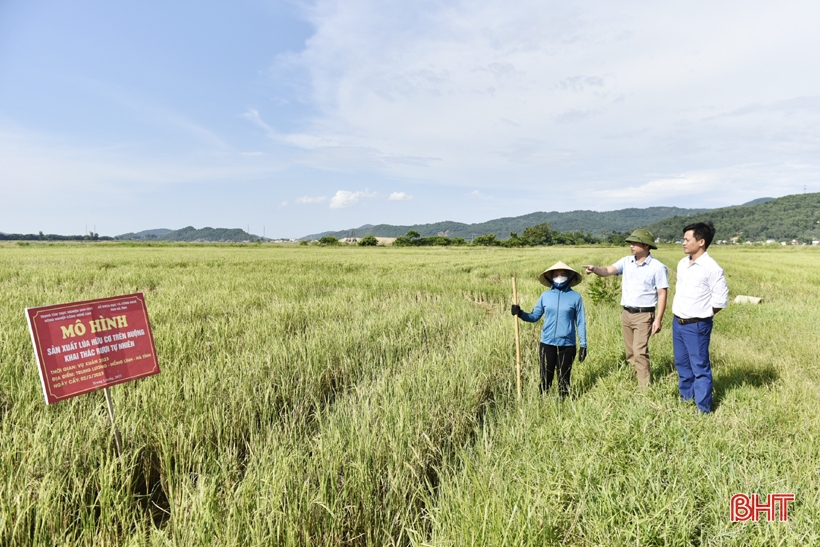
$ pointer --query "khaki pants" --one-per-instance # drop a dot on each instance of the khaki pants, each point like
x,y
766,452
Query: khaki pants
x,y
637,327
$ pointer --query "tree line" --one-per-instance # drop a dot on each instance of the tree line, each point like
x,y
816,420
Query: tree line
x,y
93,236
533,236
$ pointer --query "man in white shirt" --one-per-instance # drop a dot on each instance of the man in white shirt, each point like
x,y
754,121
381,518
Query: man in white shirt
x,y
700,293
645,284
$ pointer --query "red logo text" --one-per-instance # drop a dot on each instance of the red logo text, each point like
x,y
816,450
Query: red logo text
x,y
774,508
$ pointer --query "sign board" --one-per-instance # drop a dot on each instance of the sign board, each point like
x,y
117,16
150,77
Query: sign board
x,y
86,346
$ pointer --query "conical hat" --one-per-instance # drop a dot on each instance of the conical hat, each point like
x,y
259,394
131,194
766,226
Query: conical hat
x,y
546,276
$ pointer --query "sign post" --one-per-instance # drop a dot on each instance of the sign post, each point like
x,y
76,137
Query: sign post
x,y
91,345
113,423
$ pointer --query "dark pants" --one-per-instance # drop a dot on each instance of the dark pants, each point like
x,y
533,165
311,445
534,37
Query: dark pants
x,y
691,345
552,357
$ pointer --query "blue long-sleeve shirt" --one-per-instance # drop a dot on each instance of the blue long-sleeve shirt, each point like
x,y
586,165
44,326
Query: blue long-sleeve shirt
x,y
563,310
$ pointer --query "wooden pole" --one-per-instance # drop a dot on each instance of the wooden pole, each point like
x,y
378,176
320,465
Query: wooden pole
x,y
113,424
517,343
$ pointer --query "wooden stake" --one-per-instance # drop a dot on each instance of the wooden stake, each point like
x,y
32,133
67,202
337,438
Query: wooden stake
x,y
113,424
517,343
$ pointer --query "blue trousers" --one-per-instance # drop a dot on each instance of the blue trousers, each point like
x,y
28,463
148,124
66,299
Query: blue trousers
x,y
691,345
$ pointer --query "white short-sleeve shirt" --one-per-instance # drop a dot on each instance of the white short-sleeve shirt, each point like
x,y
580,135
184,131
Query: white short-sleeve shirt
x,y
701,286
641,281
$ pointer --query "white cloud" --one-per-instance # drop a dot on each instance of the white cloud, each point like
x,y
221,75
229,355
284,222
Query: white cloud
x,y
35,165
669,187
311,200
475,194
254,117
706,188
513,95
344,199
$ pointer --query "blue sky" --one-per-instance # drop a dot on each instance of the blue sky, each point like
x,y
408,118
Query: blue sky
x,y
301,117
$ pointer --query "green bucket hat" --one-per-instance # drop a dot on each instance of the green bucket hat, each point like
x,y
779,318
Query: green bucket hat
x,y
642,235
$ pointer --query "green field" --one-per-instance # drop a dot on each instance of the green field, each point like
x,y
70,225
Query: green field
x,y
367,396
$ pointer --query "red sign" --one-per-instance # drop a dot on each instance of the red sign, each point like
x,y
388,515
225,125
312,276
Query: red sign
x,y
86,346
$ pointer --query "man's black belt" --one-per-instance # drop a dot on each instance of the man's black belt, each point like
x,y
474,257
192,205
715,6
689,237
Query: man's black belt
x,y
682,321
638,310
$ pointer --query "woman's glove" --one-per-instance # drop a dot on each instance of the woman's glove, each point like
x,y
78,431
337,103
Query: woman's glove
x,y
516,309
582,354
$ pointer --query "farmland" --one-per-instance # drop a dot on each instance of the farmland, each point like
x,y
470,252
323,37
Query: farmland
x,y
367,396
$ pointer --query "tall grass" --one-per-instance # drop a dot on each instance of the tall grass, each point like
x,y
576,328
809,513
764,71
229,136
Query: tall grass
x,y
352,396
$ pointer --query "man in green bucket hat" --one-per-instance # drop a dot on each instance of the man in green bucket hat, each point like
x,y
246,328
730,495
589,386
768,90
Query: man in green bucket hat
x,y
644,287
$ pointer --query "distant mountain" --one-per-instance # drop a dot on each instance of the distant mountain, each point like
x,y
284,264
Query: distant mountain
x,y
145,234
757,201
189,233
790,217
586,221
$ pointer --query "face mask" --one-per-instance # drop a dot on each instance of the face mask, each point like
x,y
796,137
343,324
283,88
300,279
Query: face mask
x,y
559,279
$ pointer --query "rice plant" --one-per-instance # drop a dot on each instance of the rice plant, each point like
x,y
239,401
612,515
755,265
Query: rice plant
x,y
366,396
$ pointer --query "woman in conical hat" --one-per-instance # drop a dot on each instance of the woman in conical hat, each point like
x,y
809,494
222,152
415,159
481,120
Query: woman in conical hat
x,y
564,319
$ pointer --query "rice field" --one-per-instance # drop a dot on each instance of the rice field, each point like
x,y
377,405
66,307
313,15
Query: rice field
x,y
367,396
